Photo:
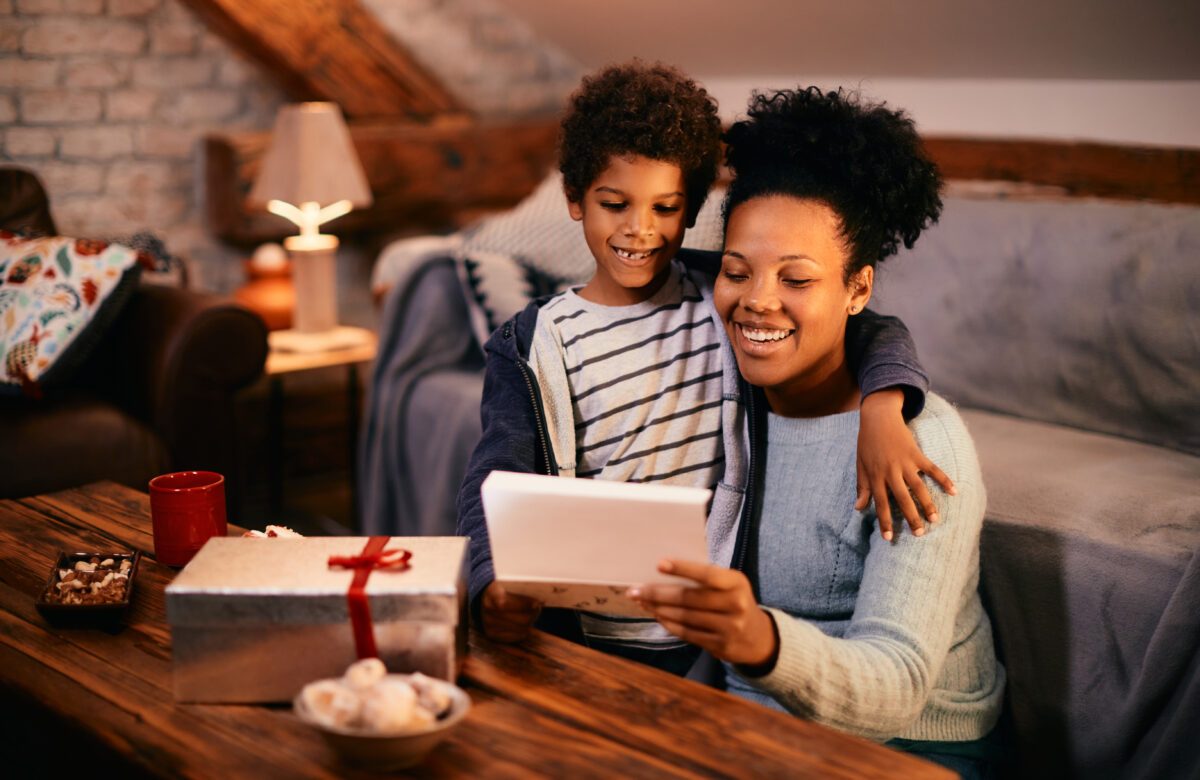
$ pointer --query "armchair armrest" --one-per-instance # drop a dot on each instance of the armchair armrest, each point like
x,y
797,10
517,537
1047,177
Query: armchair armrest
x,y
176,359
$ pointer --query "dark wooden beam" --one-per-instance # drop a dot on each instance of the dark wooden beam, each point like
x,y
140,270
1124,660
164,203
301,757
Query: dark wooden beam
x,y
420,175
1169,175
329,50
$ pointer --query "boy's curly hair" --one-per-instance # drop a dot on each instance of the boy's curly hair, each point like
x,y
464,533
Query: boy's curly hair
x,y
653,111
865,161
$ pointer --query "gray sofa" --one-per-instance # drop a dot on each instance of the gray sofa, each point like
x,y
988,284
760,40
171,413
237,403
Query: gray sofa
x,y
1068,332
1069,335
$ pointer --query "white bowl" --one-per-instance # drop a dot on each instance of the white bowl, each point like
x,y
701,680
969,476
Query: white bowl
x,y
386,752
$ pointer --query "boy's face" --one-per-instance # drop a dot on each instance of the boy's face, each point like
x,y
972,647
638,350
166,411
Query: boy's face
x,y
634,216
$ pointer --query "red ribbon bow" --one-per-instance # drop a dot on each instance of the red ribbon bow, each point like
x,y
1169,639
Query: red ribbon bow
x,y
372,557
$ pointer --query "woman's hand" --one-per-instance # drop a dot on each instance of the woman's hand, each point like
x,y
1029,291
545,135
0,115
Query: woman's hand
x,y
890,460
507,617
721,615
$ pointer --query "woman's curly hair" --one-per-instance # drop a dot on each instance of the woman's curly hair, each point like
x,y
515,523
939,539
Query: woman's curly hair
x,y
637,109
865,161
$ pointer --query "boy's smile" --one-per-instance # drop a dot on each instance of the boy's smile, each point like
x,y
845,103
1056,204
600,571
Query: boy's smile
x,y
634,218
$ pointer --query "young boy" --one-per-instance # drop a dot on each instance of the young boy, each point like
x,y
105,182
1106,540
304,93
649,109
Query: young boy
x,y
629,377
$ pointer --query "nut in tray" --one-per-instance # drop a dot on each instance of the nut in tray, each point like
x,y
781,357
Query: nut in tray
x,y
89,587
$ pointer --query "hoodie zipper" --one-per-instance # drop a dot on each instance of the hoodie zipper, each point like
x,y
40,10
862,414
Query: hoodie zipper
x,y
748,512
539,414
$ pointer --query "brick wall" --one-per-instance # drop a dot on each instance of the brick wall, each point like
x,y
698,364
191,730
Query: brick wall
x,y
106,100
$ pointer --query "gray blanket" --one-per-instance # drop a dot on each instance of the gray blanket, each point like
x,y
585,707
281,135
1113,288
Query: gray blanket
x,y
422,408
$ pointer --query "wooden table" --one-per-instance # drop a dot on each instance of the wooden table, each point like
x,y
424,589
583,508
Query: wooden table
x,y
95,699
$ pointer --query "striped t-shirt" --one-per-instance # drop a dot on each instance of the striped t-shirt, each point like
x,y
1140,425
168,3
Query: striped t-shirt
x,y
645,385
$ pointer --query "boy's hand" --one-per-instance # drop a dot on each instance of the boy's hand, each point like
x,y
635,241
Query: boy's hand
x,y
890,460
507,617
721,615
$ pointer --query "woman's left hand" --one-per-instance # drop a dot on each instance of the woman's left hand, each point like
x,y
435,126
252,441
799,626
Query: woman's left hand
x,y
720,616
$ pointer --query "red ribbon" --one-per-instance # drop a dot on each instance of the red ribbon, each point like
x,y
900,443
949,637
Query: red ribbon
x,y
372,557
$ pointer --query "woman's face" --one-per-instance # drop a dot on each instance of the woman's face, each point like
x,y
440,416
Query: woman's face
x,y
784,300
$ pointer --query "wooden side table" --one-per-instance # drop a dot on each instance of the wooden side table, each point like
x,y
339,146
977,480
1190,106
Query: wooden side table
x,y
360,347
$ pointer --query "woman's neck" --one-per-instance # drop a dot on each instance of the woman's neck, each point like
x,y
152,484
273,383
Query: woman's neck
x,y
831,393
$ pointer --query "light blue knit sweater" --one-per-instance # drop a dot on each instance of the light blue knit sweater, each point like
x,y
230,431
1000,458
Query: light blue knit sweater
x,y
878,639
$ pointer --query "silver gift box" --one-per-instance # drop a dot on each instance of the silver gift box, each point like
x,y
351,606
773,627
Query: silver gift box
x,y
254,620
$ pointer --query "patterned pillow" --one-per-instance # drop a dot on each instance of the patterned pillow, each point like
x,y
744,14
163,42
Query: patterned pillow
x,y
57,295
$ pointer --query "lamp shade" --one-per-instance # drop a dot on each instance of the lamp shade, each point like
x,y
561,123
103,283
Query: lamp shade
x,y
311,160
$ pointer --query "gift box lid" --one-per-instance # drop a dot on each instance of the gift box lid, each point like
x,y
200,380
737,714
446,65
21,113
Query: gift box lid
x,y
241,581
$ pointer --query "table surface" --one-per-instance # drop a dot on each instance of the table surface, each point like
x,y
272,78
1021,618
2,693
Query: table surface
x,y
545,708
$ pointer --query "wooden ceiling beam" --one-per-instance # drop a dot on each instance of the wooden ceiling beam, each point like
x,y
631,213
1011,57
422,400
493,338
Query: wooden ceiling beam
x,y
1164,174
329,50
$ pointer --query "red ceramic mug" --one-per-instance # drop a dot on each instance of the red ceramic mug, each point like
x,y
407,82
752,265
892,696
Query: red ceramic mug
x,y
187,508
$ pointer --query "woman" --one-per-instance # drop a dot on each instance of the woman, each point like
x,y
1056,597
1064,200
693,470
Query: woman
x,y
818,616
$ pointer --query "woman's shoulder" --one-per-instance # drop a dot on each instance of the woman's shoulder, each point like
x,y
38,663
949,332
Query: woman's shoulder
x,y
943,436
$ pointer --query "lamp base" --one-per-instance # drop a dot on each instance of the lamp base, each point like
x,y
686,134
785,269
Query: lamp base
x,y
340,337
314,277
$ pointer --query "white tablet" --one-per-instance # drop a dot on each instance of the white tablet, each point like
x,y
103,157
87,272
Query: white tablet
x,y
580,543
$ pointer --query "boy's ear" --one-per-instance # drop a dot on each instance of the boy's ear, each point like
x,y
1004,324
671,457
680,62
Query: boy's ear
x,y
575,209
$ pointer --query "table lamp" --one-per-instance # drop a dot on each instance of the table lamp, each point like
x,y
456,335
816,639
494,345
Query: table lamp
x,y
311,161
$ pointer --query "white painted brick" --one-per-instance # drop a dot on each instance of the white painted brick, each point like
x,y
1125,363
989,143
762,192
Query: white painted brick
x,y
140,177
60,106
166,141
71,178
87,216
210,41
28,73
11,31
8,110
173,73
149,210
176,11
126,104
211,105
83,6
131,7
40,6
29,141
96,143
71,35
171,38
101,74
235,70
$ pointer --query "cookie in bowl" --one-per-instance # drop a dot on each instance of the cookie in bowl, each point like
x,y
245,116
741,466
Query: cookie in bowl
x,y
381,721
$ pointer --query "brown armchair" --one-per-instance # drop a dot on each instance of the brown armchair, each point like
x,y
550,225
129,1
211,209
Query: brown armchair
x,y
157,393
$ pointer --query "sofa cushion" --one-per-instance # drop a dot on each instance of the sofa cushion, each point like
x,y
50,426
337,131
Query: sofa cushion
x,y
1081,313
57,296
1090,566
103,443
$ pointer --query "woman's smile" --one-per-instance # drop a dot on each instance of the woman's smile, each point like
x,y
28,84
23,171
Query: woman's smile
x,y
761,340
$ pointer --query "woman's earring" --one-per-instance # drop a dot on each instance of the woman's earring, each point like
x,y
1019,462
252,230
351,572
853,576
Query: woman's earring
x,y
854,310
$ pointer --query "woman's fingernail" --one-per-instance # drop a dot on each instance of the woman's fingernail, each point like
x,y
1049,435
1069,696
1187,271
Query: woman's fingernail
x,y
665,565
933,518
919,532
634,593
887,536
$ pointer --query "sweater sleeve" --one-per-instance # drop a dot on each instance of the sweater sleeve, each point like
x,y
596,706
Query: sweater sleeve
x,y
876,679
881,350
508,443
